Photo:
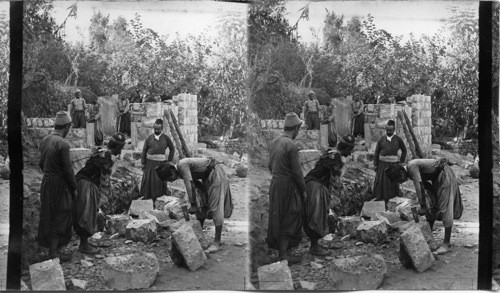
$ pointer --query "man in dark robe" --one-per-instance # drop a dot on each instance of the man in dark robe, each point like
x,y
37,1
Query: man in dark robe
x,y
88,180
286,192
58,189
318,182
214,202
124,115
386,155
444,202
153,155
358,117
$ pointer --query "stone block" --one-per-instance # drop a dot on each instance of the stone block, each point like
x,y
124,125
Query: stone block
x,y
366,272
416,247
47,276
117,224
393,203
187,244
307,285
156,215
372,207
79,157
198,231
348,225
140,205
425,228
241,170
372,232
308,159
275,276
178,192
130,271
162,201
392,217
379,217
405,212
174,209
79,284
141,230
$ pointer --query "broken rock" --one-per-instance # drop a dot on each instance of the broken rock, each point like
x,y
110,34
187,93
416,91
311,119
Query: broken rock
x,y
174,209
395,202
425,228
416,247
379,217
372,232
241,170
307,285
140,205
79,284
131,271
156,215
348,225
392,217
276,276
162,201
47,276
187,244
364,272
372,207
117,224
141,230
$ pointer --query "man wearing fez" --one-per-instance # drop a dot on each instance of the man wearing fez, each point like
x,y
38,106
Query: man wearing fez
x,y
311,111
286,192
436,177
78,106
58,189
386,155
153,155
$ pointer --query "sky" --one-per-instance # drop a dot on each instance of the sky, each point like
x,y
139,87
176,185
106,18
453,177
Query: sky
x,y
164,17
396,17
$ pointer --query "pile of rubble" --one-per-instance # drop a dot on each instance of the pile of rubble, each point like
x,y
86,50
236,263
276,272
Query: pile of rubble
x,y
350,268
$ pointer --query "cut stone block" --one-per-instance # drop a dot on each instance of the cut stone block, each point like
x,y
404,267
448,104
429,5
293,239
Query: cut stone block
x,y
162,201
416,247
372,207
348,225
307,285
372,232
156,215
188,245
117,224
174,209
198,231
47,276
379,217
79,284
140,205
405,212
392,217
358,273
276,276
425,228
394,202
178,192
141,230
131,271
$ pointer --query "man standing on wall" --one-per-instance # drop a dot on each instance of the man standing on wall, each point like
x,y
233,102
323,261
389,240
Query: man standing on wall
x,y
311,111
386,155
124,115
154,154
78,107
286,192
58,189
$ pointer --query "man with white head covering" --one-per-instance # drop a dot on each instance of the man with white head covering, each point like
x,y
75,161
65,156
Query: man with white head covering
x,y
311,111
286,192
58,188
78,107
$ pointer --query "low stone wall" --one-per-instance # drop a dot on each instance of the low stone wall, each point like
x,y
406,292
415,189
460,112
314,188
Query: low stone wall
x,y
421,118
306,139
77,137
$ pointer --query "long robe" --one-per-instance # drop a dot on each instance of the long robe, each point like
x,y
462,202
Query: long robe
x,y
287,183
78,110
358,121
216,201
124,109
95,115
151,185
88,200
383,187
56,193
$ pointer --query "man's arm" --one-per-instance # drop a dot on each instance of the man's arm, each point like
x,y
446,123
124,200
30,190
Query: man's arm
x,y
127,106
361,107
145,151
69,174
403,149
171,148
377,152
298,176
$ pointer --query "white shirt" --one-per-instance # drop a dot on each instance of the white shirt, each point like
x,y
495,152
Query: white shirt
x,y
389,138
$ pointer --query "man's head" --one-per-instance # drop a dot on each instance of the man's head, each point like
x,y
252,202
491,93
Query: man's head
x,y
390,127
78,93
122,97
397,173
311,95
167,172
158,127
292,124
116,143
62,122
346,145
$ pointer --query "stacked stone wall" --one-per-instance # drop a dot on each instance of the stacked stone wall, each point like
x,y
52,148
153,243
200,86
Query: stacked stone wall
x,y
421,118
306,139
188,118
38,128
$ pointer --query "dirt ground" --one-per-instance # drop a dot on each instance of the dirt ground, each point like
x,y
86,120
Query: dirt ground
x,y
456,270
225,270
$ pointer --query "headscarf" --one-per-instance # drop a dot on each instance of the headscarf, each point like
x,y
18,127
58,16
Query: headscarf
x,y
346,141
117,140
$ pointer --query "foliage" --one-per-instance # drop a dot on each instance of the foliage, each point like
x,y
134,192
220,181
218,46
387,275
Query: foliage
x,y
4,62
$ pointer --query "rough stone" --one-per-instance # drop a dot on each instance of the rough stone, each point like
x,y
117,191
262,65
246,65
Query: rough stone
x,y
308,159
117,224
79,157
174,209
405,212
372,232
366,272
414,244
425,228
140,205
395,202
241,170
275,276
4,171
379,217
141,230
156,215
79,284
131,271
198,231
187,244
372,207
392,217
307,285
162,201
348,225
47,276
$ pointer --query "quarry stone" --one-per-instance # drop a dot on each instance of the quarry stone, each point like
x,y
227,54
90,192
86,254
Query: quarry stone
x,y
187,244
131,271
47,276
348,225
275,276
413,242
366,272
141,230
372,207
117,224
140,205
372,232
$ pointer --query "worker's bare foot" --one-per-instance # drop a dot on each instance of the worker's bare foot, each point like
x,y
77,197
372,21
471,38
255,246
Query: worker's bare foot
x,y
318,251
88,249
443,249
214,247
